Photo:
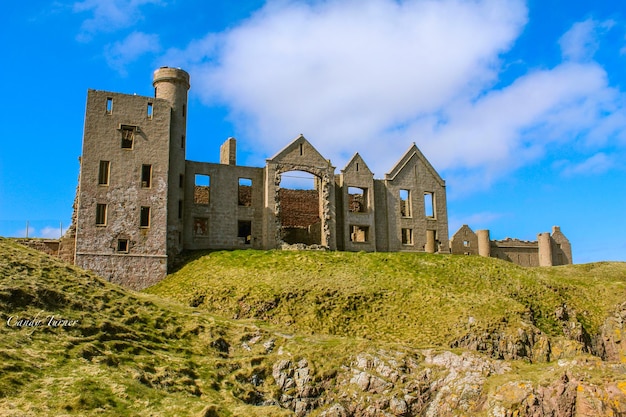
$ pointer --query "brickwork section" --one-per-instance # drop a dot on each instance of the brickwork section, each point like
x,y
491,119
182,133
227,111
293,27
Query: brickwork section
x,y
299,208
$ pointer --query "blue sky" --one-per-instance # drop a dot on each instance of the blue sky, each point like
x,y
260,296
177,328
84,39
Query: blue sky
x,y
521,106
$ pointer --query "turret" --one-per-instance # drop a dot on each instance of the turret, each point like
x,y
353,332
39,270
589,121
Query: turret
x,y
172,84
484,243
545,249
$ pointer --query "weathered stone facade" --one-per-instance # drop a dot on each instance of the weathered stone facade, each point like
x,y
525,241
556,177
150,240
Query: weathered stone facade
x,y
140,202
548,250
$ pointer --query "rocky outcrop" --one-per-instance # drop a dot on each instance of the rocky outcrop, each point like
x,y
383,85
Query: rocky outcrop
x,y
610,344
441,384
500,373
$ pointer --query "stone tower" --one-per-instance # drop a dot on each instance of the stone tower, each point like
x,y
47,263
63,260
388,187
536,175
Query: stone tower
x,y
129,209
172,84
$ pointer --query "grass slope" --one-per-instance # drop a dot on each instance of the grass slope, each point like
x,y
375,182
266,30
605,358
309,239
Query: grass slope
x,y
131,354
127,354
417,299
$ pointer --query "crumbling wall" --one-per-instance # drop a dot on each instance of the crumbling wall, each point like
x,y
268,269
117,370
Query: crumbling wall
x,y
49,246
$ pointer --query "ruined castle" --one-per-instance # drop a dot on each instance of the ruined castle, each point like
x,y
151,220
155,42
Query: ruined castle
x,y
140,202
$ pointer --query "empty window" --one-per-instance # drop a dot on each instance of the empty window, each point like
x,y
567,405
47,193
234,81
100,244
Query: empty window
x,y
245,192
180,209
405,203
122,245
429,204
202,189
466,243
103,173
407,236
182,142
301,149
128,137
146,176
357,200
244,231
144,217
184,110
101,214
359,233
181,180
109,105
200,226
149,111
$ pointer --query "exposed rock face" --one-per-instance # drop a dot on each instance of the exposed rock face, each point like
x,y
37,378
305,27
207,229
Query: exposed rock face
x,y
610,344
441,384
577,376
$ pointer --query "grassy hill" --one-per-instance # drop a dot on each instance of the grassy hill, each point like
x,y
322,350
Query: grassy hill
x,y
250,333
414,299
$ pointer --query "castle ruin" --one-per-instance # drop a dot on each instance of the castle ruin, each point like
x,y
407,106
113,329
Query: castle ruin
x,y
140,202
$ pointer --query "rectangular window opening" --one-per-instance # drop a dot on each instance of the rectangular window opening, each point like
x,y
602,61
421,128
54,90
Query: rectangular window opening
x,y
144,217
245,192
202,189
200,226
122,245
407,236
466,243
101,214
357,200
149,111
244,231
181,180
182,142
128,137
103,173
359,234
405,203
146,176
429,204
184,110
180,209
109,105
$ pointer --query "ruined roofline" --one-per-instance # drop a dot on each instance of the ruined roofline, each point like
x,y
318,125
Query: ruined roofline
x,y
514,240
406,158
357,158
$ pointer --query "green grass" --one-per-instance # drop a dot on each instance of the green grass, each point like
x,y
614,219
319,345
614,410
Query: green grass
x,y
153,354
416,299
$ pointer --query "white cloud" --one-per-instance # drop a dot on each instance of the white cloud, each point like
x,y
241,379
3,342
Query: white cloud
x,y
109,15
345,72
373,76
119,54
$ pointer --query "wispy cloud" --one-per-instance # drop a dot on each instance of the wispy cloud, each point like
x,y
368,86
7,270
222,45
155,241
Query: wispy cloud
x,y
476,221
48,232
581,42
109,15
119,54
597,164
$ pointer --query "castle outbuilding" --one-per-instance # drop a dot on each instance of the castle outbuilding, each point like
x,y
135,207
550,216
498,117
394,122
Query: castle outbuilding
x,y
140,202
548,250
